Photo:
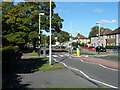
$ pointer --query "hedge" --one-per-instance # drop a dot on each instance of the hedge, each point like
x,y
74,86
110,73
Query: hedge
x,y
10,55
110,47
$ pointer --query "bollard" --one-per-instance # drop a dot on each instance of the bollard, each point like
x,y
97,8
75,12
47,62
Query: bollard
x,y
78,52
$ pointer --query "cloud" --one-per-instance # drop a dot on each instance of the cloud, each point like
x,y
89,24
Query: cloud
x,y
107,21
98,10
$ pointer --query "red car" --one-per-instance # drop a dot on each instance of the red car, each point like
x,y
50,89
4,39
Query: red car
x,y
92,48
85,45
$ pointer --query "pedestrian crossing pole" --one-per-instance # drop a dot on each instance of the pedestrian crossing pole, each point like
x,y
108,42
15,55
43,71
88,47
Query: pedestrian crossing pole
x,y
39,52
50,37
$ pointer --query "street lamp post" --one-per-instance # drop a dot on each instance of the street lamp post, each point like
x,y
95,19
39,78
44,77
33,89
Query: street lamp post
x,y
79,37
70,40
98,33
98,37
40,14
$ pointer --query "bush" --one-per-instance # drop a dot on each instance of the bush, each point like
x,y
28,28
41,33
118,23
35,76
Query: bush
x,y
10,48
9,56
110,47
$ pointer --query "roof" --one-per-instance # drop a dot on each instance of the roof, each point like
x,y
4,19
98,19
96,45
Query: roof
x,y
105,31
116,31
80,37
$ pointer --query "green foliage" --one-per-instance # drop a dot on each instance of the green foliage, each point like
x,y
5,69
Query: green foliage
x,y
21,21
47,67
94,30
17,38
10,48
110,47
75,43
33,36
9,57
82,44
62,36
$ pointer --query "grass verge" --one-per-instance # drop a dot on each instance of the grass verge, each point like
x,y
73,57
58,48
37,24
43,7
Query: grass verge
x,y
115,57
47,67
91,53
43,64
33,54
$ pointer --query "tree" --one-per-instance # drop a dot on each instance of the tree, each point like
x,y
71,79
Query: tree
x,y
24,18
94,30
62,36
33,37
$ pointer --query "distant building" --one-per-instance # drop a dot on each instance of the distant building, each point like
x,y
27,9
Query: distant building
x,y
82,39
107,37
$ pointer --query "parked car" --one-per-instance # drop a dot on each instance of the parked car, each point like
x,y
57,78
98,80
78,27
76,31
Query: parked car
x,y
91,48
85,45
62,47
74,48
102,49
116,49
57,47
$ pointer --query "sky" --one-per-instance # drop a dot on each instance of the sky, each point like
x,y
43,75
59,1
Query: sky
x,y
84,15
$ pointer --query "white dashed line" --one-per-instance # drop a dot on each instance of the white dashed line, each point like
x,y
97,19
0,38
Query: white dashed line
x,y
54,55
87,75
61,55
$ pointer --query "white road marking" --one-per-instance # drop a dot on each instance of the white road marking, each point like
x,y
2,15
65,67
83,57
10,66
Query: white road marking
x,y
87,75
100,65
108,67
54,55
61,55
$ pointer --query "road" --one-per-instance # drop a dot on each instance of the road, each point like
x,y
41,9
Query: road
x,y
109,78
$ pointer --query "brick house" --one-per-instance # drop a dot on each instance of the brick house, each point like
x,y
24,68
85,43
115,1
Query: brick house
x,y
107,37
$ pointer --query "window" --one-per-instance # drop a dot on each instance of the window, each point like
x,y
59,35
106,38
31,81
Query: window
x,y
112,44
101,37
112,36
92,38
108,36
84,41
119,35
107,43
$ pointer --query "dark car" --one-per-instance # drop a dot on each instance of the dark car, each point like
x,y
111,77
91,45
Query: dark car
x,y
116,49
101,48
74,48
57,47
62,47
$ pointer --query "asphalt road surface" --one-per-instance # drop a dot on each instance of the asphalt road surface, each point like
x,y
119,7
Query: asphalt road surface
x,y
94,71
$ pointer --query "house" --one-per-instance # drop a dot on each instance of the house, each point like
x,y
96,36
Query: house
x,y
82,39
116,33
107,37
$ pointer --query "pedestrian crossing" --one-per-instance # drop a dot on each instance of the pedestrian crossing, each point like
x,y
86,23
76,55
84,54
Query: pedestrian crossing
x,y
58,55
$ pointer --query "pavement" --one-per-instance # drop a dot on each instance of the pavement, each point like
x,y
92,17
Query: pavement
x,y
26,76
55,78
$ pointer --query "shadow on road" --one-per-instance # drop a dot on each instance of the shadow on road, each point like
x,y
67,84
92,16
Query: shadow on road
x,y
23,66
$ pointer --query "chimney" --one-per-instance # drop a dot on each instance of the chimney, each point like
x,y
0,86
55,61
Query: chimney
x,y
102,29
